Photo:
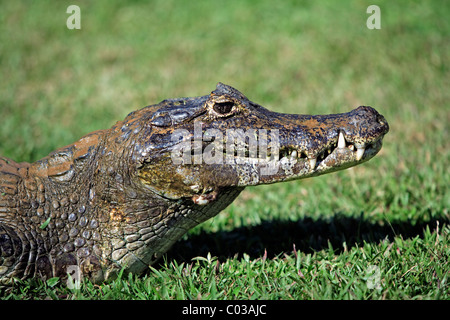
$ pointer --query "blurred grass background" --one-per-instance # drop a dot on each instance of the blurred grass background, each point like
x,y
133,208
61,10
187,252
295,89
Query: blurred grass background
x,y
313,57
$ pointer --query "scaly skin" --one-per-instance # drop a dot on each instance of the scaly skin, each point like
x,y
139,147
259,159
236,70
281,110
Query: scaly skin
x,y
121,197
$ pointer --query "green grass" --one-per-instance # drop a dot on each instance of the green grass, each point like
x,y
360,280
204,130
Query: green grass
x,y
318,238
402,269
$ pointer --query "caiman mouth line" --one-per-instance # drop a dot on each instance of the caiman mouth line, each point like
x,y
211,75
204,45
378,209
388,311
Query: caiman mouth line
x,y
292,153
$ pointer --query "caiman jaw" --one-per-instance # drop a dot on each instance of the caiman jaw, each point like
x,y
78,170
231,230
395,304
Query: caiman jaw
x,y
294,164
292,154
344,140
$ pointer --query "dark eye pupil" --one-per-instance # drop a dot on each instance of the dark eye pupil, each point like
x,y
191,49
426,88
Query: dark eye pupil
x,y
223,107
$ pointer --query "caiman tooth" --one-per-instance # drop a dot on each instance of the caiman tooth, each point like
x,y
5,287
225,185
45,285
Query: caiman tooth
x,y
294,155
195,188
360,153
312,163
341,141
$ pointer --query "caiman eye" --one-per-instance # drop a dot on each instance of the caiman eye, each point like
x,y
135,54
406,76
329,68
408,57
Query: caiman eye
x,y
223,108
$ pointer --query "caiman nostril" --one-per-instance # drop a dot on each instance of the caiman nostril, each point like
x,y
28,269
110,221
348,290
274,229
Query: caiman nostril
x,y
382,121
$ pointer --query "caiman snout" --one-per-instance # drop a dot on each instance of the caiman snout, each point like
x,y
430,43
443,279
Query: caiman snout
x,y
364,129
319,144
368,118
355,136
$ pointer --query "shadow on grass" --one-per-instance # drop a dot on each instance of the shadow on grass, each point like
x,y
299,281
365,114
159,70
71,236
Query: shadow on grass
x,y
309,235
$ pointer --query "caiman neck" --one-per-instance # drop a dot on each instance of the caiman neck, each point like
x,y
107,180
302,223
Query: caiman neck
x,y
92,172
66,174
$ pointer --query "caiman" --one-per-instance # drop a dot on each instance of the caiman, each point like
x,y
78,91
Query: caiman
x,y
120,198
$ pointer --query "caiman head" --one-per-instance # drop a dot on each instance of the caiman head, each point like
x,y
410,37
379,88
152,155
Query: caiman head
x,y
196,147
